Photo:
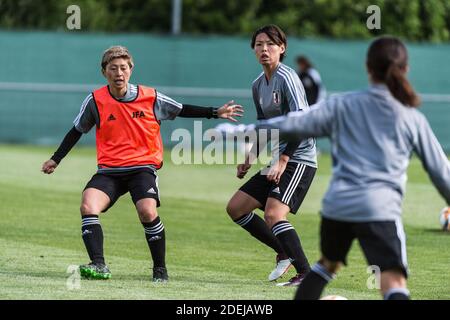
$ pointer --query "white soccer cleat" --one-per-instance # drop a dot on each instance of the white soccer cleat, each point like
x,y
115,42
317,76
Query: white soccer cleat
x,y
281,268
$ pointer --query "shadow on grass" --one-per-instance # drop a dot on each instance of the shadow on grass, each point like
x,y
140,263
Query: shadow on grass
x,y
437,231
41,274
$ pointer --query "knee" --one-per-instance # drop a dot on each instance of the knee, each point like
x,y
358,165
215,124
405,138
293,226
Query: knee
x,y
233,210
88,208
271,218
148,215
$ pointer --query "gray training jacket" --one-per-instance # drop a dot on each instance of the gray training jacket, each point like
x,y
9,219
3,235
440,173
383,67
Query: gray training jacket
x,y
282,94
373,136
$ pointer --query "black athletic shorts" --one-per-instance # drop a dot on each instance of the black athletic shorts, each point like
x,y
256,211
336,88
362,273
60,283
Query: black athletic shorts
x,y
291,190
140,183
382,242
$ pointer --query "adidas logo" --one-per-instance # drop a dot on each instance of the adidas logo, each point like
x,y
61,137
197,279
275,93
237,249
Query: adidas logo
x,y
111,117
276,190
155,238
152,191
85,232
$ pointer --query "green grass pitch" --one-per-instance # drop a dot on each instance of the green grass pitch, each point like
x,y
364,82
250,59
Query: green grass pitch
x,y
208,256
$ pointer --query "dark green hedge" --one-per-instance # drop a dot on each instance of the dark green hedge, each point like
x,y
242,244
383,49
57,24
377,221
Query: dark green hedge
x,y
420,20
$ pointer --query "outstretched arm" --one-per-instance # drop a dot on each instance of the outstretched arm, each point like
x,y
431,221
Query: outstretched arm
x,y
228,111
168,109
317,122
433,158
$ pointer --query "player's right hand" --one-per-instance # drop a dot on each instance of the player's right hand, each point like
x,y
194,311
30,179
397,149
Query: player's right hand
x,y
49,166
242,170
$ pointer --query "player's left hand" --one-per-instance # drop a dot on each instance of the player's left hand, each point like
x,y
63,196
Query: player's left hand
x,y
277,169
230,110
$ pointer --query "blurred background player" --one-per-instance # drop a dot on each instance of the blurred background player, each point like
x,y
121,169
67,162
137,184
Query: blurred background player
x,y
129,151
276,91
311,80
373,133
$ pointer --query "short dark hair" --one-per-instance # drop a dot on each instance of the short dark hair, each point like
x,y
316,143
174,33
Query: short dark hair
x,y
275,34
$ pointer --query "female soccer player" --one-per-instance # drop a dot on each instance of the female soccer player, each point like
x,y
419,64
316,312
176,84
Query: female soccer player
x,y
277,91
129,151
373,134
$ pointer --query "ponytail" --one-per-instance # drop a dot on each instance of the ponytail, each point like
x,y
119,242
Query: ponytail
x,y
400,87
387,61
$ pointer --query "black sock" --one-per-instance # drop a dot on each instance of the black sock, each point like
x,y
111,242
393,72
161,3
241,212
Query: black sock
x,y
258,228
397,294
156,239
290,242
92,235
312,286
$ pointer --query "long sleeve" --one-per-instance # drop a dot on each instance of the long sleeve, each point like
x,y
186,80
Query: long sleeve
x,y
69,141
318,122
433,158
168,109
192,111
88,116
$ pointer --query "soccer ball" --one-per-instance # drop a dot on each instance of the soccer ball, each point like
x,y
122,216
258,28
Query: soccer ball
x,y
333,297
444,219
